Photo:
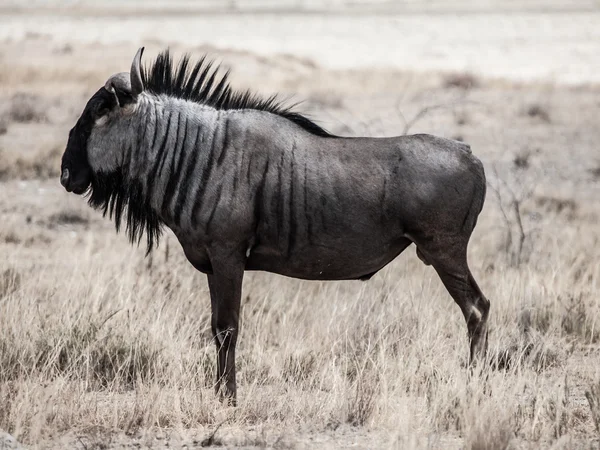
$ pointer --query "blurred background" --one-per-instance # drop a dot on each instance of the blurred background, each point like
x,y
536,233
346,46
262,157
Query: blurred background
x,y
520,40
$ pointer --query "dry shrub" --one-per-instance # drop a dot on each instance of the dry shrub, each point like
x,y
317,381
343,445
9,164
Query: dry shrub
x,y
26,237
8,394
467,405
539,319
68,217
557,205
558,410
461,118
461,80
300,368
571,315
256,370
532,354
593,397
534,347
81,353
519,242
489,433
95,438
11,238
64,49
538,111
212,440
446,411
577,319
25,108
364,398
448,416
595,172
521,160
10,281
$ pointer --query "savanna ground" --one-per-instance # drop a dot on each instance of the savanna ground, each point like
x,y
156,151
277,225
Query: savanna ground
x,y
101,347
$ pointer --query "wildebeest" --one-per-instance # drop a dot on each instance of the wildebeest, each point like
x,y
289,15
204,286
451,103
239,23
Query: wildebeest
x,y
248,184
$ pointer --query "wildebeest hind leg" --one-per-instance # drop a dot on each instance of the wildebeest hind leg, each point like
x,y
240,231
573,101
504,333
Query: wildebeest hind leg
x,y
450,262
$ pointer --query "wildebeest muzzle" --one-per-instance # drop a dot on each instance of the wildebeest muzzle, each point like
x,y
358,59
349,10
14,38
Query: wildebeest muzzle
x,y
75,173
77,182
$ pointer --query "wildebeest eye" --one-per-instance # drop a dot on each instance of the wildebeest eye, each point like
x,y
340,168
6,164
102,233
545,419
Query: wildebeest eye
x,y
102,111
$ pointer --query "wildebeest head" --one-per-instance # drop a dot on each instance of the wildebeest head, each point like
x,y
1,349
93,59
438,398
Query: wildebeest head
x,y
96,141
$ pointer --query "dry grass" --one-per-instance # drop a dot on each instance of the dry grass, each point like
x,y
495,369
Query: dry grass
x,y
593,398
43,163
93,338
40,156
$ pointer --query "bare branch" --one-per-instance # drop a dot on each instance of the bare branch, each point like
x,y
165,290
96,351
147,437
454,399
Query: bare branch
x,y
408,124
512,217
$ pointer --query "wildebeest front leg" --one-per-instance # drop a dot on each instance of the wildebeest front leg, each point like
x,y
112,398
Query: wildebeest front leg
x,y
225,286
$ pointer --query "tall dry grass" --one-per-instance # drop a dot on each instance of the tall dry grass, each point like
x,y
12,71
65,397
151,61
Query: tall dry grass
x,y
97,337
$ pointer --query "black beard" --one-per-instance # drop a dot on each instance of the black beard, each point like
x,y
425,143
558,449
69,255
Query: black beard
x,y
112,194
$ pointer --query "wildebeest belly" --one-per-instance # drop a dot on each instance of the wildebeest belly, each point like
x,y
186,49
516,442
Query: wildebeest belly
x,y
332,259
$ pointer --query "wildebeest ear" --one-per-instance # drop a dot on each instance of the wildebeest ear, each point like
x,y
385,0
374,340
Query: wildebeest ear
x,y
120,86
137,85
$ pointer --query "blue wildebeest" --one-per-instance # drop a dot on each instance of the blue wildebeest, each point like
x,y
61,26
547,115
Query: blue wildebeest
x,y
248,184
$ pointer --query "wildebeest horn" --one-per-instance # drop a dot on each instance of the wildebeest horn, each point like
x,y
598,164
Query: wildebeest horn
x,y
136,75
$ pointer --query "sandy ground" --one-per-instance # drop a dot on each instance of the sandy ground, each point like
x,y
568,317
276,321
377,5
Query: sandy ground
x,y
520,87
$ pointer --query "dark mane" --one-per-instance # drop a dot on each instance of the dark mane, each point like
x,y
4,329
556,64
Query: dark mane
x,y
202,84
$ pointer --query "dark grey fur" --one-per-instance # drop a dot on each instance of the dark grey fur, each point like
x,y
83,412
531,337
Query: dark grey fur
x,y
266,189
